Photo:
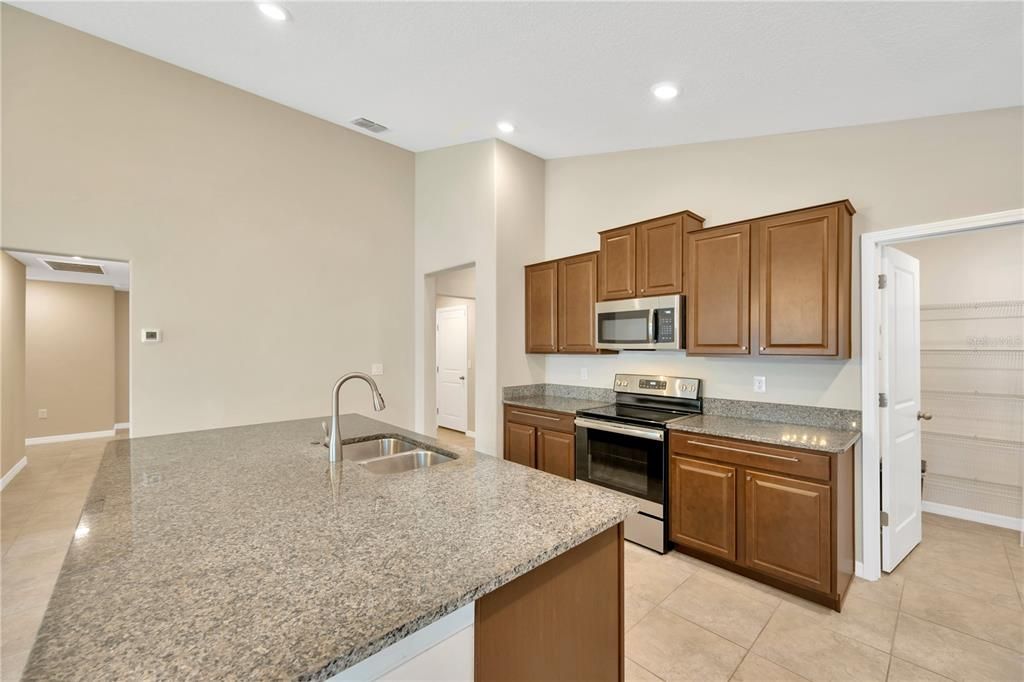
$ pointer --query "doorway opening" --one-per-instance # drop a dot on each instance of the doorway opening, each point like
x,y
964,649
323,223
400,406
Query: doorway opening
x,y
943,406
77,337
454,350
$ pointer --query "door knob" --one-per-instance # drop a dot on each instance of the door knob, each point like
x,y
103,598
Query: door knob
x,y
924,416
462,378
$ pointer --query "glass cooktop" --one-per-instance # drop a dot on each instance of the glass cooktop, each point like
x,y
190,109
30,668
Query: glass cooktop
x,y
633,415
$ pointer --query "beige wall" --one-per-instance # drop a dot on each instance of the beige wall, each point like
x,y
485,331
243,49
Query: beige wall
x,y
985,265
12,362
896,174
455,220
122,339
69,358
255,233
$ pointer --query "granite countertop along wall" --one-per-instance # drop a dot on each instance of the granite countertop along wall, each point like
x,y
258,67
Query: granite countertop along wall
x,y
816,428
243,553
557,397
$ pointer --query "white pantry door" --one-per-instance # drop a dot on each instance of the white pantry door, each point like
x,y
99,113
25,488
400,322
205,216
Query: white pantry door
x,y
900,419
452,349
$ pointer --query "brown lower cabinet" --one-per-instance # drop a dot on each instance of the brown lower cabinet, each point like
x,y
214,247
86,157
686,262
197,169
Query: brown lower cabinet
x,y
541,439
783,516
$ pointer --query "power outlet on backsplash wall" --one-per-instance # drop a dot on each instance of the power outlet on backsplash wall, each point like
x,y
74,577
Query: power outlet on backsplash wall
x,y
760,384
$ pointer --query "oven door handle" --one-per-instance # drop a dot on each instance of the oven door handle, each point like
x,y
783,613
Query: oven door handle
x,y
638,431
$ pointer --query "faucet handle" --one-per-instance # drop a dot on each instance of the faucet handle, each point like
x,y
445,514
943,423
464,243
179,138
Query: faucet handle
x,y
327,433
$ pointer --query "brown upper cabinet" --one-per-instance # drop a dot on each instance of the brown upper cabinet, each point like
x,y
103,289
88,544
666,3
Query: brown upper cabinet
x,y
645,259
718,296
542,308
560,297
776,285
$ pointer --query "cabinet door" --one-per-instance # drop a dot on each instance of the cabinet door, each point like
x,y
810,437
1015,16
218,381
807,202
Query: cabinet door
x,y
703,506
577,293
542,308
718,291
556,453
788,530
659,256
520,444
798,267
617,277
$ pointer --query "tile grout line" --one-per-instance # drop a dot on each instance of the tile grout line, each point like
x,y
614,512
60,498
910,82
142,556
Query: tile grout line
x,y
763,628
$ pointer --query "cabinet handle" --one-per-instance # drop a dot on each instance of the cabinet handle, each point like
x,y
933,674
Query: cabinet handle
x,y
745,452
538,416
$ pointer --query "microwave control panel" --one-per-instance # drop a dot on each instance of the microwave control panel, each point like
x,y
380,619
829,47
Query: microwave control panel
x,y
665,325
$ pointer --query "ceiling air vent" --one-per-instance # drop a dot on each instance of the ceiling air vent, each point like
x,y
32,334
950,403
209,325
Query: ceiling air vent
x,y
367,124
64,266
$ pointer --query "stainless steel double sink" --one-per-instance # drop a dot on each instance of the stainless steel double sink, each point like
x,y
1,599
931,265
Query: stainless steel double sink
x,y
391,455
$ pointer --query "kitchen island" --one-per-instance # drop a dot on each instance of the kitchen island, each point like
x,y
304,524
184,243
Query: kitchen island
x,y
243,553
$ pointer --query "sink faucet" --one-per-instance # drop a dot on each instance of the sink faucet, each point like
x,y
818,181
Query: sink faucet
x,y
378,405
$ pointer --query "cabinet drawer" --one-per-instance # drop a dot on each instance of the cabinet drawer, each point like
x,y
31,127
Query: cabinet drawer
x,y
753,455
550,421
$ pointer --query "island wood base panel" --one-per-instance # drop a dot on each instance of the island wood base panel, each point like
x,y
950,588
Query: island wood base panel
x,y
561,621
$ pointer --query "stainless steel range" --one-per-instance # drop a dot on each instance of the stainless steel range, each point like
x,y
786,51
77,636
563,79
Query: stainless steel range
x,y
624,447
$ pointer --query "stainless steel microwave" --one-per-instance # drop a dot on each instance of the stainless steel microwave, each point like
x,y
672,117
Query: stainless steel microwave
x,y
652,323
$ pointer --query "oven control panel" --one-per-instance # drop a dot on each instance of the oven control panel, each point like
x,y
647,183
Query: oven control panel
x,y
675,387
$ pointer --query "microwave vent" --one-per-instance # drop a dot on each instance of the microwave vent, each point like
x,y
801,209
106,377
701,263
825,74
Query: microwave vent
x,y
64,266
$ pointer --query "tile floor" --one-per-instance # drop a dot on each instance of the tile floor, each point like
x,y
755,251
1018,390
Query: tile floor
x,y
39,513
457,438
952,610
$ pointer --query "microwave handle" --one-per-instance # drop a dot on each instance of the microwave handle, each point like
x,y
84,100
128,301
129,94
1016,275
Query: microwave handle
x,y
652,326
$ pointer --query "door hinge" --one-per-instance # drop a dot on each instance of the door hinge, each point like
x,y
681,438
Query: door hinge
x,y
883,281
884,517
437,410
883,400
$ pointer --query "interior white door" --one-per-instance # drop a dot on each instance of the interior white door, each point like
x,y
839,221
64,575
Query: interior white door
x,y
452,349
900,419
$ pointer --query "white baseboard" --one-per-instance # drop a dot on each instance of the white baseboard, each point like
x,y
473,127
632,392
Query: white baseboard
x,y
471,434
121,426
40,440
987,518
9,476
858,569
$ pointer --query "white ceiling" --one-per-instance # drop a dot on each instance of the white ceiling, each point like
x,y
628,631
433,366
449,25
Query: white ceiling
x,y
575,77
117,274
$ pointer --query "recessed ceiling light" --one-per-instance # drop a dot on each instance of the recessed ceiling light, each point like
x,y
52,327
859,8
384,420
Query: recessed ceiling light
x,y
506,127
76,258
274,11
664,91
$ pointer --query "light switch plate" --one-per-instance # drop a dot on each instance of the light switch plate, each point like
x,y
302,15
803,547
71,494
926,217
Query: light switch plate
x,y
760,384
376,369
43,414
584,373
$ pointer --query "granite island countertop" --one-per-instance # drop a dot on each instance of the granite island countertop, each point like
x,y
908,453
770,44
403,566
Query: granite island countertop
x,y
770,433
243,553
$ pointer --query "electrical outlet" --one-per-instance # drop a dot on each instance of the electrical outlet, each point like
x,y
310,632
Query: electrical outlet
x,y
376,369
584,373
43,414
760,384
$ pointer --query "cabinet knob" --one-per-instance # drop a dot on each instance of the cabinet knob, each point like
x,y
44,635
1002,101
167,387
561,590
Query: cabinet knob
x,y
762,348
743,347
748,478
729,475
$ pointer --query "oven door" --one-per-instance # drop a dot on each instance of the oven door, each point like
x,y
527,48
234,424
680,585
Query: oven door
x,y
623,457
